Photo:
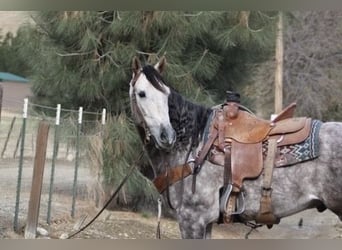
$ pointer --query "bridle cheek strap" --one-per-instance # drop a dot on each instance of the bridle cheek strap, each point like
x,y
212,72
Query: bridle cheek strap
x,y
139,116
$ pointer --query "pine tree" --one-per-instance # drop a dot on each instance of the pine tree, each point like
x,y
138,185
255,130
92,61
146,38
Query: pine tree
x,y
84,59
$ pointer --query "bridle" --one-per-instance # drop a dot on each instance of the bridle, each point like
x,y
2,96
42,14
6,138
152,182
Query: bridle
x,y
137,111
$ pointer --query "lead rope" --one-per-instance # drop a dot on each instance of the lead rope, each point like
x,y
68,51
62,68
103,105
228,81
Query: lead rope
x,y
159,217
130,172
253,226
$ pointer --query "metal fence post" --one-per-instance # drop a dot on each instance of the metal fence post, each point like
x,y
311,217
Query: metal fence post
x,y
54,156
20,169
79,124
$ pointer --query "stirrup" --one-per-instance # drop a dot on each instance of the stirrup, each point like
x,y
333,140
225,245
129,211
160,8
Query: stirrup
x,y
224,197
240,204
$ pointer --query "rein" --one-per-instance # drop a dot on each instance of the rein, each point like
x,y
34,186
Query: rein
x,y
108,202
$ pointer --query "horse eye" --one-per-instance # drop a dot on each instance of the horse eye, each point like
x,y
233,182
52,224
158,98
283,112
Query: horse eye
x,y
142,94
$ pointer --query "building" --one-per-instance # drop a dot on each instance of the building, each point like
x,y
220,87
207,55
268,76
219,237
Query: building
x,y
15,89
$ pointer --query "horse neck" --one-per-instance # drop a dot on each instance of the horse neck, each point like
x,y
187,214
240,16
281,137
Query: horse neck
x,y
188,120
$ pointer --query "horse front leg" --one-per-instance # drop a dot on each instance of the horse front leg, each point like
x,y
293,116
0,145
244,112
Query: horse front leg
x,y
191,229
208,231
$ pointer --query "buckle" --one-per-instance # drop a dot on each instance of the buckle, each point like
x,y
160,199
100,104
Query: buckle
x,y
266,191
191,164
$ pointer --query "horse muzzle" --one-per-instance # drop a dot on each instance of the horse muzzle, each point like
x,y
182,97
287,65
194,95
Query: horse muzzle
x,y
167,137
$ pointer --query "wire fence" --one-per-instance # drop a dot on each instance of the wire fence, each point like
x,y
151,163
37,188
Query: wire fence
x,y
67,175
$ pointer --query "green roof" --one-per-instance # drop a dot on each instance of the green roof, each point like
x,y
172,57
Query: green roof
x,y
8,77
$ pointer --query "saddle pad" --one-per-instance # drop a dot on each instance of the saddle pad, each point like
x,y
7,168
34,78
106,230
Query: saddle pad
x,y
300,152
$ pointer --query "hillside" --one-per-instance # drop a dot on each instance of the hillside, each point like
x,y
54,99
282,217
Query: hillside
x,y
11,20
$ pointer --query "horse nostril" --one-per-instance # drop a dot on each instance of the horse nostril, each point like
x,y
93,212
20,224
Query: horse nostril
x,y
163,135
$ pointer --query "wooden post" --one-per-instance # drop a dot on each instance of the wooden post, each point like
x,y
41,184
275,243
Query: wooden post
x,y
37,180
278,92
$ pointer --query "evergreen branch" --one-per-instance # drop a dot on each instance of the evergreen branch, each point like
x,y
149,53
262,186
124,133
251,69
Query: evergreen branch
x,y
40,25
255,31
107,54
145,53
194,15
196,65
100,13
118,15
267,16
74,54
164,44
200,60
244,21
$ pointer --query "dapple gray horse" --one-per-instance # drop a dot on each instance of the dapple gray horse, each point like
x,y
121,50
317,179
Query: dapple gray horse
x,y
172,129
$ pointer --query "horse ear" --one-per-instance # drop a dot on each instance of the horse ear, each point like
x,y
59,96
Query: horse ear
x,y
136,65
161,65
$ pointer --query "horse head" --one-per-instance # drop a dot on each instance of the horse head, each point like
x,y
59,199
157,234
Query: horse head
x,y
149,102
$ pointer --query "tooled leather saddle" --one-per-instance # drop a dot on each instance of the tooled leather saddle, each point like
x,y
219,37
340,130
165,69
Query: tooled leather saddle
x,y
246,146
246,135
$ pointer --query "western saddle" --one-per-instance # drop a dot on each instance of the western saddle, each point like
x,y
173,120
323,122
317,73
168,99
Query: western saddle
x,y
246,146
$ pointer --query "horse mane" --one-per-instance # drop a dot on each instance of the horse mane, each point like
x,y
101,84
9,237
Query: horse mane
x,y
187,119
154,77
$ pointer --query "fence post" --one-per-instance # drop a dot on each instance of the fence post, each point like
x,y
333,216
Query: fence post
x,y
37,180
17,144
79,124
54,156
103,118
20,169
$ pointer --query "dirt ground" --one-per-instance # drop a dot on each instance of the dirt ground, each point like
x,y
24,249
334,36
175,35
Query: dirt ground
x,y
128,225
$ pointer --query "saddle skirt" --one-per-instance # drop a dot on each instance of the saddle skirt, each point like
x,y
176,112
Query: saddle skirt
x,y
246,137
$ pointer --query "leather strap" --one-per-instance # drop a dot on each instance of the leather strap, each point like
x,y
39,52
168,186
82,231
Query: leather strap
x,y
205,149
202,155
269,163
221,125
266,215
171,176
227,171
230,208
